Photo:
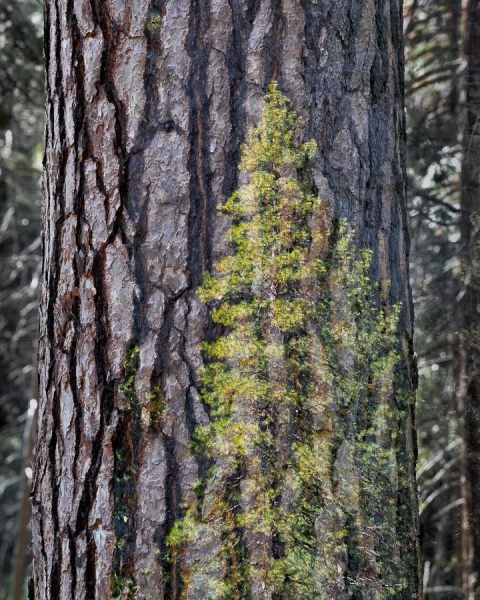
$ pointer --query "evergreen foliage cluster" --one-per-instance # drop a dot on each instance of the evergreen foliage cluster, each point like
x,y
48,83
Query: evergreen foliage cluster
x,y
303,480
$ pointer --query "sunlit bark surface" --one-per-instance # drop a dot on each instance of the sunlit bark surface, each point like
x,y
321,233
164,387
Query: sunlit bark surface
x,y
147,105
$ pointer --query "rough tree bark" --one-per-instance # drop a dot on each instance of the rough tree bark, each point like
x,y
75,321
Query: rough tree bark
x,y
147,105
470,204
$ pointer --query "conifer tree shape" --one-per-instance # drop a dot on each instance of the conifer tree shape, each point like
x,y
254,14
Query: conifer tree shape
x,y
299,497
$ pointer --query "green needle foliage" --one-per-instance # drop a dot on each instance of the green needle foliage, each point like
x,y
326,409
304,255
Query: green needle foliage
x,y
301,499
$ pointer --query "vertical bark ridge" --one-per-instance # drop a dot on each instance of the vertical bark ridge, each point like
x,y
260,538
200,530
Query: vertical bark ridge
x,y
51,549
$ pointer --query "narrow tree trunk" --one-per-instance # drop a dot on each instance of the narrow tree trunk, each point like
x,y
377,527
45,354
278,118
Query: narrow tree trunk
x,y
147,105
466,545
24,517
470,204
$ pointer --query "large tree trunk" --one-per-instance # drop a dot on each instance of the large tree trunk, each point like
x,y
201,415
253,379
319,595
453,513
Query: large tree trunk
x,y
470,204
147,105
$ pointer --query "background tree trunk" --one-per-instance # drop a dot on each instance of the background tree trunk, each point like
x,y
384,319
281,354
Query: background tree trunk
x,y
470,204
147,105
24,517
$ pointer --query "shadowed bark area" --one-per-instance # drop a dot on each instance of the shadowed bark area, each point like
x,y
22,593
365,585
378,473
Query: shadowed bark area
x,y
147,105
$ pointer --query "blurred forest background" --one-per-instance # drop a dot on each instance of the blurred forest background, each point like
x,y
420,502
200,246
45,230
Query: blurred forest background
x,y
436,107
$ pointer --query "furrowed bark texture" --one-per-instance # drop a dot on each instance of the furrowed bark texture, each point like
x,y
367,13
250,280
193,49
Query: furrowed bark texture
x,y
147,105
470,203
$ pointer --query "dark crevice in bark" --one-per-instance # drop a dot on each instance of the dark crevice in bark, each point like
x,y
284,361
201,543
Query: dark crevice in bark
x,y
354,17
236,62
311,71
78,68
396,282
189,412
171,566
90,570
203,463
31,589
191,421
127,446
150,124
235,544
272,65
379,75
353,561
101,359
396,19
55,577
61,134
110,39
85,507
73,560
138,213
126,443
154,53
106,409
202,204
79,266
378,141
77,426
37,511
102,20
99,181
